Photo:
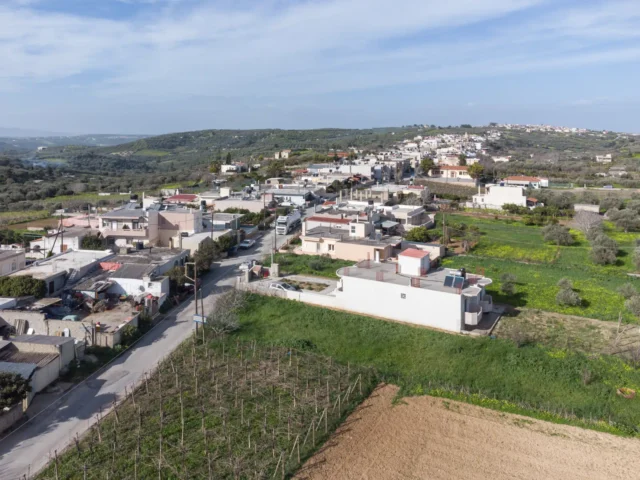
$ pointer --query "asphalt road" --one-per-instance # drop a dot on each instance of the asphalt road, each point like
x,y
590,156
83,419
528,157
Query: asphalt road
x,y
27,450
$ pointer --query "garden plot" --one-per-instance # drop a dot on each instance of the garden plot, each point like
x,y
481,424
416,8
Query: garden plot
x,y
426,437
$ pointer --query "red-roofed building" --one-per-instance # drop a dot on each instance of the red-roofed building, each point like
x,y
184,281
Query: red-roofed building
x,y
182,198
526,181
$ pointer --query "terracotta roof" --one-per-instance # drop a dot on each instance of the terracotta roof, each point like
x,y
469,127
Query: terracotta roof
x,y
183,197
457,168
329,220
523,178
531,199
414,253
328,202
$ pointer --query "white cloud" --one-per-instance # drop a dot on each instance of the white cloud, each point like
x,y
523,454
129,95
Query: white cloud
x,y
288,49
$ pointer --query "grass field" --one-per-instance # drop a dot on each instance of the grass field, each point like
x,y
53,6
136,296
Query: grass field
x,y
223,409
292,264
152,153
9,218
550,384
512,247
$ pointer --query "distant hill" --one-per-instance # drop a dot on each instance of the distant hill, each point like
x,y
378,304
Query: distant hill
x,y
18,143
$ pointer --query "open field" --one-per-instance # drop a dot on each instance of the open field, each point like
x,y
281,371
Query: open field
x,y
292,264
551,384
512,247
565,331
222,409
11,218
152,153
426,437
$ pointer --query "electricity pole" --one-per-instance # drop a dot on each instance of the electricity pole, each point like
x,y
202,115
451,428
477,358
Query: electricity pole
x,y
195,284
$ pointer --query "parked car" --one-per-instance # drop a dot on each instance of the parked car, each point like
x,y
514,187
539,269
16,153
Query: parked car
x,y
245,244
283,287
247,265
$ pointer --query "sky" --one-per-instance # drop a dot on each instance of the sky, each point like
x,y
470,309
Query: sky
x,y
158,66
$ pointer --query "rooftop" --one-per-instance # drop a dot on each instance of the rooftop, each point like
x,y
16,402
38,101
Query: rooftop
x,y
325,232
315,218
111,320
12,354
226,217
148,256
386,272
25,370
183,197
523,178
63,262
133,270
42,339
7,254
125,212
455,168
290,191
413,253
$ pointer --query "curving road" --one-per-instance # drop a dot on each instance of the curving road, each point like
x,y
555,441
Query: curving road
x,y
27,450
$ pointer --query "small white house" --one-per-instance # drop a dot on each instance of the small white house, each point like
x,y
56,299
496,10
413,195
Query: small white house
x,y
413,262
496,196
604,158
527,182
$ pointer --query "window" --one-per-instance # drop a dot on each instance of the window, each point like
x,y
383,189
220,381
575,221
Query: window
x,y
149,285
353,229
331,247
13,266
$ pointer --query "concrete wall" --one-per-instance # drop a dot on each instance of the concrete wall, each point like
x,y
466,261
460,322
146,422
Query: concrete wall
x,y
12,264
131,286
79,330
45,375
112,338
65,350
8,419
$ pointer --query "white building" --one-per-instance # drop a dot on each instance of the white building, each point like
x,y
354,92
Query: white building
x,y
58,241
527,182
504,159
451,172
496,196
11,261
604,158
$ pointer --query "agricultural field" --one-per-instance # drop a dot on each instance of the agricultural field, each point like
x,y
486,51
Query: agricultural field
x,y
219,409
557,385
320,266
415,438
10,218
152,153
511,247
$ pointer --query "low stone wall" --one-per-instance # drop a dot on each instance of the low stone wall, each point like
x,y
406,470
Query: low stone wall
x,y
10,417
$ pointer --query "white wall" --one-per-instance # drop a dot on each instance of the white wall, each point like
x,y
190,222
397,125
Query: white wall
x,y
498,196
131,286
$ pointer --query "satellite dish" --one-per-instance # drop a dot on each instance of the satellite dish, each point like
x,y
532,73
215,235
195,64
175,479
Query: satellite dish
x,y
141,287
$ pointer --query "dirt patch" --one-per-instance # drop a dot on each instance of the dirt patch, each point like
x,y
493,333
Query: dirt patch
x,y
436,439
571,332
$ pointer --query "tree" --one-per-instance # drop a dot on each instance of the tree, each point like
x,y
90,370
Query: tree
x,y
207,252
227,158
275,168
335,186
91,242
587,222
602,255
462,160
636,258
565,284
625,219
177,279
568,297
475,171
557,234
13,389
225,243
418,234
426,164
215,167
627,291
508,283
22,286
633,305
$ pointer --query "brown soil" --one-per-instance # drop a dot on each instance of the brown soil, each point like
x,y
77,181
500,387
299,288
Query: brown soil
x,y
436,439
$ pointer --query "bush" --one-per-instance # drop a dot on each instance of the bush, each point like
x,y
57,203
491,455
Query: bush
x,y
22,286
602,255
508,283
633,305
636,258
627,290
418,234
92,242
557,234
568,297
13,389
565,284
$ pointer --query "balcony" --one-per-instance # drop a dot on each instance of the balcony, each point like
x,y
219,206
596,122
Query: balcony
x,y
473,316
125,232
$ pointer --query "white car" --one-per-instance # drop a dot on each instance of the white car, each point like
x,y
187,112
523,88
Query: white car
x,y
283,287
245,244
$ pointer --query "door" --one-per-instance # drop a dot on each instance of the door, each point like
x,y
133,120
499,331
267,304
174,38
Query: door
x,y
376,256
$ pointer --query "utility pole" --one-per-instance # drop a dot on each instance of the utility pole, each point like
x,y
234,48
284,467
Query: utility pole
x,y
444,229
195,283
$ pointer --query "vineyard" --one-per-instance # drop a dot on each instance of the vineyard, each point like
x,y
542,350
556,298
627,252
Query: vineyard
x,y
217,408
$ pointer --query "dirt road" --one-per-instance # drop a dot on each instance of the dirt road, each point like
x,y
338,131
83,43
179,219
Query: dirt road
x,y
436,439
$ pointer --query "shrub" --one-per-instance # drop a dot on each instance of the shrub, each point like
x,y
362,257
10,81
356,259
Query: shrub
x,y
91,242
568,297
565,284
13,389
22,286
633,305
627,290
602,255
636,258
508,283
557,234
418,234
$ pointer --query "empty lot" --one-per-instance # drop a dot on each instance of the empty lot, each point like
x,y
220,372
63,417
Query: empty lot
x,y
433,438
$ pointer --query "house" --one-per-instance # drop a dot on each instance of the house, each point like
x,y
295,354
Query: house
x,y
496,196
527,182
503,159
61,240
290,196
318,168
37,358
409,291
183,198
282,154
408,216
65,269
457,173
11,261
618,172
226,221
604,158
42,149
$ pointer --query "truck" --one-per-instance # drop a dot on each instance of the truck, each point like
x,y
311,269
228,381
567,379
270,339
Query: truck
x,y
287,223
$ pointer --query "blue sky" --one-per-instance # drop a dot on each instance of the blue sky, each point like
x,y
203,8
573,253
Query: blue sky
x,y
154,66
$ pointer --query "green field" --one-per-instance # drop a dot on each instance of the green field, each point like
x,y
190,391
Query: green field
x,y
9,218
152,153
292,264
511,247
551,384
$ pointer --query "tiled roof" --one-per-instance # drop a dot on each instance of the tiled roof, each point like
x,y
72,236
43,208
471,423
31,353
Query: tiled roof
x,y
330,220
456,168
414,253
523,178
